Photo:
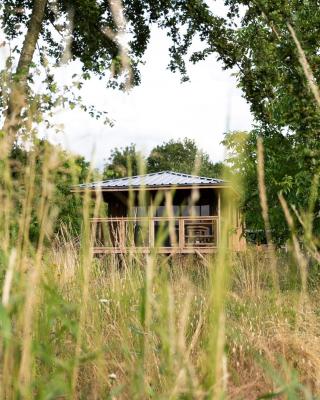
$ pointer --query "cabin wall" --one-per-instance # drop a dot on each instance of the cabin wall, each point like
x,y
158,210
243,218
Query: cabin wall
x,y
120,204
238,241
124,204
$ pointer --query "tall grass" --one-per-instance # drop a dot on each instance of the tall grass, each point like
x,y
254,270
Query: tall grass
x,y
72,326
147,326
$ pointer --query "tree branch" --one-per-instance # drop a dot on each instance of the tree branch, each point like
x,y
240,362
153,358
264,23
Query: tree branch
x,y
18,93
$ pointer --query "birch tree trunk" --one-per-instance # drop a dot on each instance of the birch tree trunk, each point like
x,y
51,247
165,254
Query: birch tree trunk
x,y
18,102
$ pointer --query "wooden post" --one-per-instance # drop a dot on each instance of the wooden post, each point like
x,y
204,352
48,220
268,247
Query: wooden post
x,y
122,237
181,234
151,232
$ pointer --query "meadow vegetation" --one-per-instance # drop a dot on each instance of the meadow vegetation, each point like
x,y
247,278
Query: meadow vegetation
x,y
238,326
136,326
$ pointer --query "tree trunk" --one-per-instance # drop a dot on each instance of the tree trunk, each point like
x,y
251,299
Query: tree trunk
x,y
18,101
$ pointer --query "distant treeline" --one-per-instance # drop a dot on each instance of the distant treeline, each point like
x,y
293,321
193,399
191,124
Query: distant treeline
x,y
284,173
175,155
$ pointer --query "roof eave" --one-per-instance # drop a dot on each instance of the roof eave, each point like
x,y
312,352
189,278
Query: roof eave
x,y
155,187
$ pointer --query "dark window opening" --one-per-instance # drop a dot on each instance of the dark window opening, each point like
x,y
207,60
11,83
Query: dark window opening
x,y
166,235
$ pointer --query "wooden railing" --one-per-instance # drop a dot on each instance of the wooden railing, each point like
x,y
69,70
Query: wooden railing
x,y
165,234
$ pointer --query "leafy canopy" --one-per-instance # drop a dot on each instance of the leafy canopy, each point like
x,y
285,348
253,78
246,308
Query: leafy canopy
x,y
175,155
123,162
65,170
93,28
182,156
283,173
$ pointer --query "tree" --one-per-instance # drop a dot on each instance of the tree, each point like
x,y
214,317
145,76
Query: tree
x,y
283,173
90,31
275,85
174,155
270,73
259,45
18,96
65,170
123,162
182,156
277,89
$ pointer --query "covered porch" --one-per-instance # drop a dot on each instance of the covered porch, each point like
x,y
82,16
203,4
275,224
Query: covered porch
x,y
167,212
162,234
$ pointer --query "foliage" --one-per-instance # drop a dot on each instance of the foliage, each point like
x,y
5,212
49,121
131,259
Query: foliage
x,y
277,90
136,339
270,73
75,327
283,173
68,170
91,20
90,32
182,156
123,162
175,155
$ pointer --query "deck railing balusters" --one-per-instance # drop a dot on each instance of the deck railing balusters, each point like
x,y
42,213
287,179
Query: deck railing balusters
x,y
194,234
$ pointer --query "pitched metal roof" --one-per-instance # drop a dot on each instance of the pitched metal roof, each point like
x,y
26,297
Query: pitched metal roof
x,y
157,179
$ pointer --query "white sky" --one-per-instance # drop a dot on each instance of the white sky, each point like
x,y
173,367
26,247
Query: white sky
x,y
159,109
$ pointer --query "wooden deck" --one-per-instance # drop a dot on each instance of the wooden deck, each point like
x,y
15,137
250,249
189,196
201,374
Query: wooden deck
x,y
181,235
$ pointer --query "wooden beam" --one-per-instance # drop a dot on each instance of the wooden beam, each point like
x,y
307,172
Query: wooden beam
x,y
160,250
148,188
151,233
181,234
115,219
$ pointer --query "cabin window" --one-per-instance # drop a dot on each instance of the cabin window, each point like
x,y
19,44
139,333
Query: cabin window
x,y
204,210
162,211
140,211
199,211
166,233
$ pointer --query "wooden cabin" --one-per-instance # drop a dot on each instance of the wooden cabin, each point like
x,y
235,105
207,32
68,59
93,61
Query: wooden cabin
x,y
167,211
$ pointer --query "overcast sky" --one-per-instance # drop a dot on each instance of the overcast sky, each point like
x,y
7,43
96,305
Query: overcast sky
x,y
159,109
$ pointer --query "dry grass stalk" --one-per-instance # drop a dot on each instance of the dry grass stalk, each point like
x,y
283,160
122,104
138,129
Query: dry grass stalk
x,y
301,260
31,302
8,278
65,254
306,66
311,245
85,263
170,214
265,211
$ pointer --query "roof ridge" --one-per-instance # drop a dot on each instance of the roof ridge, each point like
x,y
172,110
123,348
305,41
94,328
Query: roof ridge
x,y
131,177
140,176
192,176
153,178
